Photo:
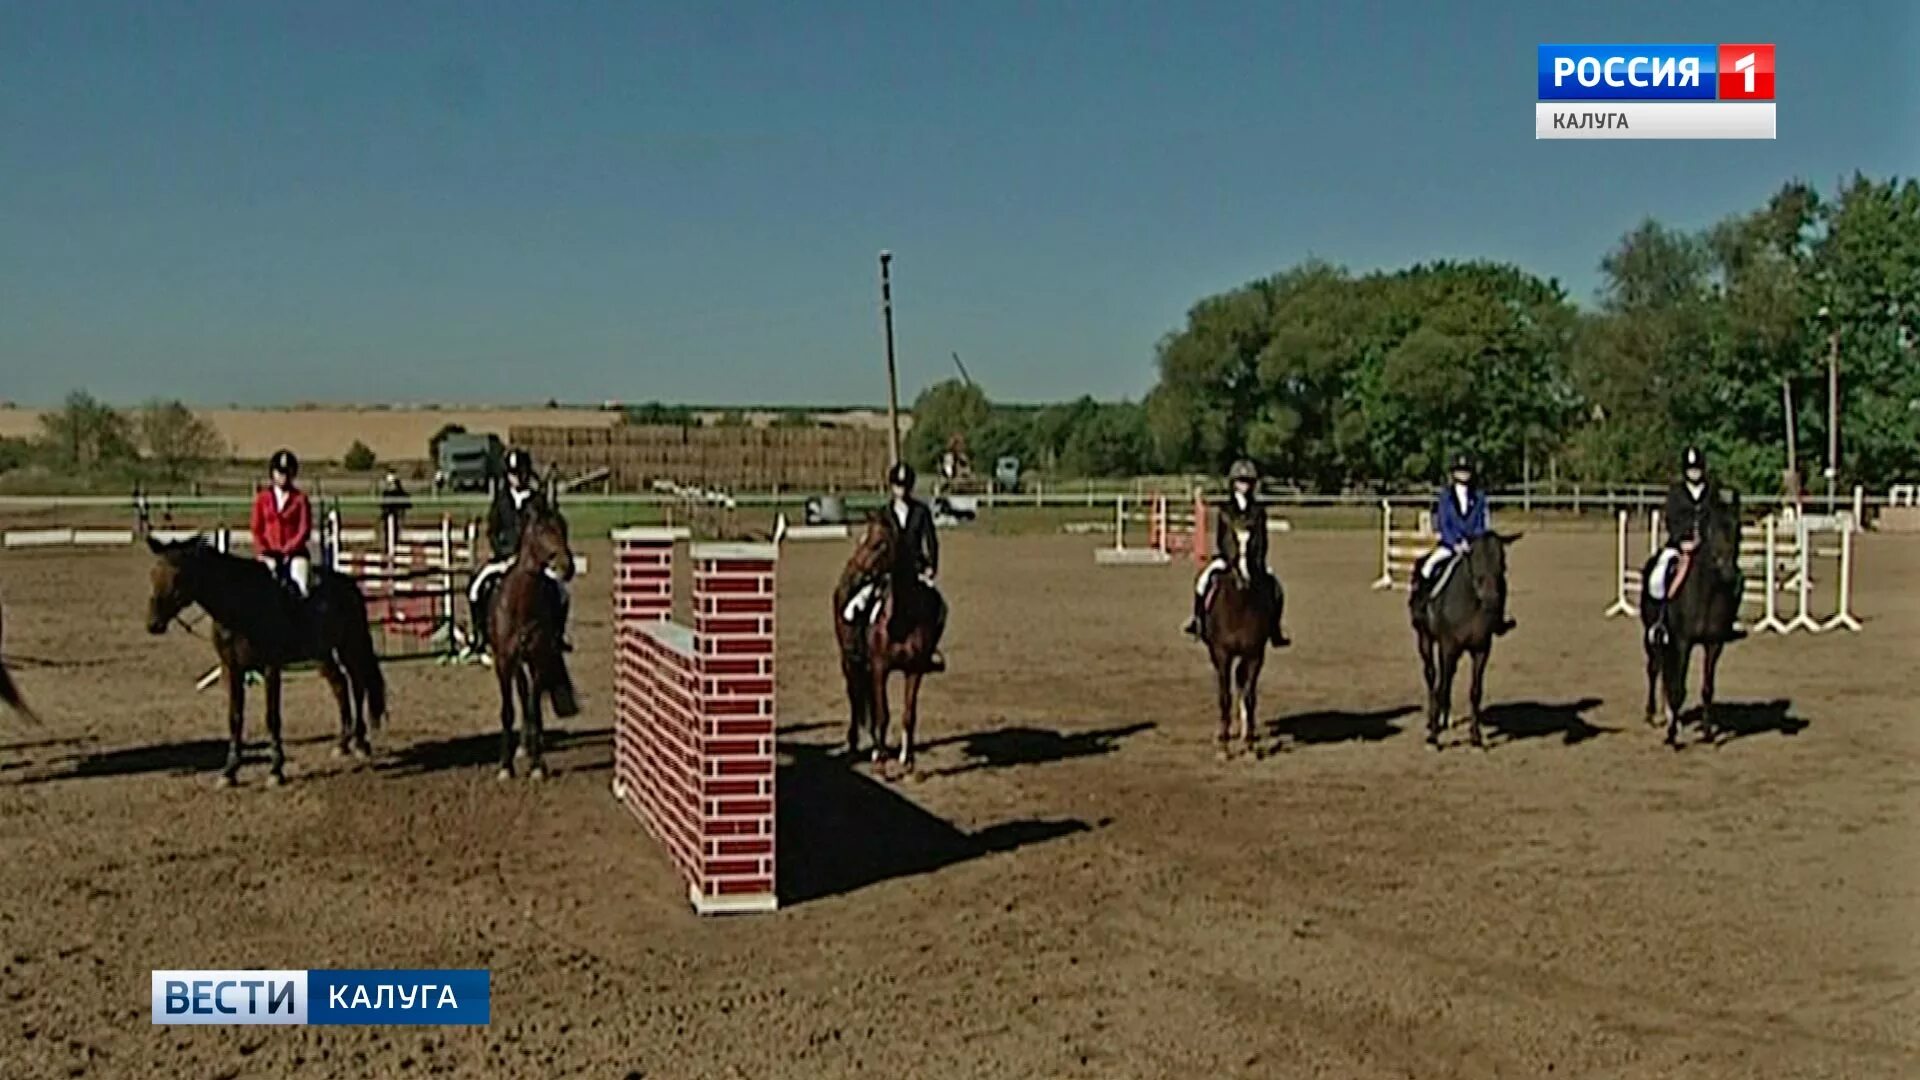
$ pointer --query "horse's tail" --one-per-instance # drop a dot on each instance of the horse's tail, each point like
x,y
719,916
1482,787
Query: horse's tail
x,y
559,684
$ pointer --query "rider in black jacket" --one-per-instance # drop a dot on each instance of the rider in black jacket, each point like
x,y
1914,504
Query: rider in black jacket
x,y
513,500
919,543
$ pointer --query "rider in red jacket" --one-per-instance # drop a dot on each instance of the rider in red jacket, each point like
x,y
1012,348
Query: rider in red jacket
x,y
283,522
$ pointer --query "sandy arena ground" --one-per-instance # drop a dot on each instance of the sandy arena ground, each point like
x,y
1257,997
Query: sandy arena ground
x,y
1077,888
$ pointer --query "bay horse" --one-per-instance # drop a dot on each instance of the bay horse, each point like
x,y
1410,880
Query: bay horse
x,y
525,633
899,633
1461,615
260,625
1243,618
10,694
1701,610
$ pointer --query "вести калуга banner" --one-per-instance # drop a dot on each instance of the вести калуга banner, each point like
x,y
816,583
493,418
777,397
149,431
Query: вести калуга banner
x,y
424,996
1654,92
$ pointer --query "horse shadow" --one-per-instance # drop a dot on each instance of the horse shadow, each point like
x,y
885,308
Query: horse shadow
x,y
1338,726
474,751
1745,719
1518,720
840,831
1011,746
171,759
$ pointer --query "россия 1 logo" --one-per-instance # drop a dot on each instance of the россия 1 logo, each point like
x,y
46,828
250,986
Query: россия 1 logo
x,y
1654,92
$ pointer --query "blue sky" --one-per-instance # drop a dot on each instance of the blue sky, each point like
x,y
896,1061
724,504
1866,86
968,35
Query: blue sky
x,y
269,202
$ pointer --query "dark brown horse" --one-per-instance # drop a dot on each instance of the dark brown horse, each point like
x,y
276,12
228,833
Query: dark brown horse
x,y
902,635
526,630
10,695
1243,618
1699,613
259,625
1462,614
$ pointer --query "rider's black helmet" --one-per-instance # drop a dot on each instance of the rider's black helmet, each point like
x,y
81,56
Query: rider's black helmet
x,y
519,464
901,475
1461,463
1694,459
1243,469
283,461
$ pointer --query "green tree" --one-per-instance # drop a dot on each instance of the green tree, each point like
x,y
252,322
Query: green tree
x,y
945,409
359,457
178,442
85,433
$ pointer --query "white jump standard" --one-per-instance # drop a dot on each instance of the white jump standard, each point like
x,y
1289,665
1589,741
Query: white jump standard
x,y
694,716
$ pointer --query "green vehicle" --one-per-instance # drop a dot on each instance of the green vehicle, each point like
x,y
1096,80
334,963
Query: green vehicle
x,y
469,462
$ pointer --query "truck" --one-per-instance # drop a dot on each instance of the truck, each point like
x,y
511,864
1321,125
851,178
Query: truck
x,y
469,462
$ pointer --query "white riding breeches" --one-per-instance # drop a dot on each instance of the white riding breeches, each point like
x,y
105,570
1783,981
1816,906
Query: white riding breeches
x,y
299,570
1431,563
1662,571
495,569
863,597
858,602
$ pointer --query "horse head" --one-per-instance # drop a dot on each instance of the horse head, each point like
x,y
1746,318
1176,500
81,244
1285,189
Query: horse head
x,y
874,553
1720,535
543,539
174,579
1486,568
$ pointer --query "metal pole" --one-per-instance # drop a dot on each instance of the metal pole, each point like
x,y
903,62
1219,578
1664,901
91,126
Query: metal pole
x,y
893,380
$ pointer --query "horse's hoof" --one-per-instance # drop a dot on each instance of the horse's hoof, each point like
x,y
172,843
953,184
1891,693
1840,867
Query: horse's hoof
x,y
361,750
276,779
519,753
227,780
538,772
504,774
1254,753
340,750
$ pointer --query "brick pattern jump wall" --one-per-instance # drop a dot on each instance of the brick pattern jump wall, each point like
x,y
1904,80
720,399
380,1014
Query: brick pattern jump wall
x,y
695,713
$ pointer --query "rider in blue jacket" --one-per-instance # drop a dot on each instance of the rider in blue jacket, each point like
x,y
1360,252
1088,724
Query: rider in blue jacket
x,y
1460,516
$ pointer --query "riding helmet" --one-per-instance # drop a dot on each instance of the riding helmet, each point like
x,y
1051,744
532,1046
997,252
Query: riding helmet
x,y
1461,463
901,475
283,461
1694,459
1243,470
520,464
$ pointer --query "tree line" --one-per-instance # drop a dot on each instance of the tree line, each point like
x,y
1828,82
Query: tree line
x,y
1333,380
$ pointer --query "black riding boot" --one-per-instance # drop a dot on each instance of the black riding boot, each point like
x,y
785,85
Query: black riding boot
x,y
566,611
1194,624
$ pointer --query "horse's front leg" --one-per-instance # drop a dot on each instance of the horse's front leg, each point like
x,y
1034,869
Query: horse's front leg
x,y
1473,693
531,688
856,681
1250,701
277,774
1709,665
909,718
1223,678
504,669
236,718
1448,664
1679,653
1656,659
877,708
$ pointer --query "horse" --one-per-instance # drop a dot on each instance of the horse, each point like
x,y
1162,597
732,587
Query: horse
x,y
901,633
1701,612
10,695
260,625
525,632
1462,614
1243,618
